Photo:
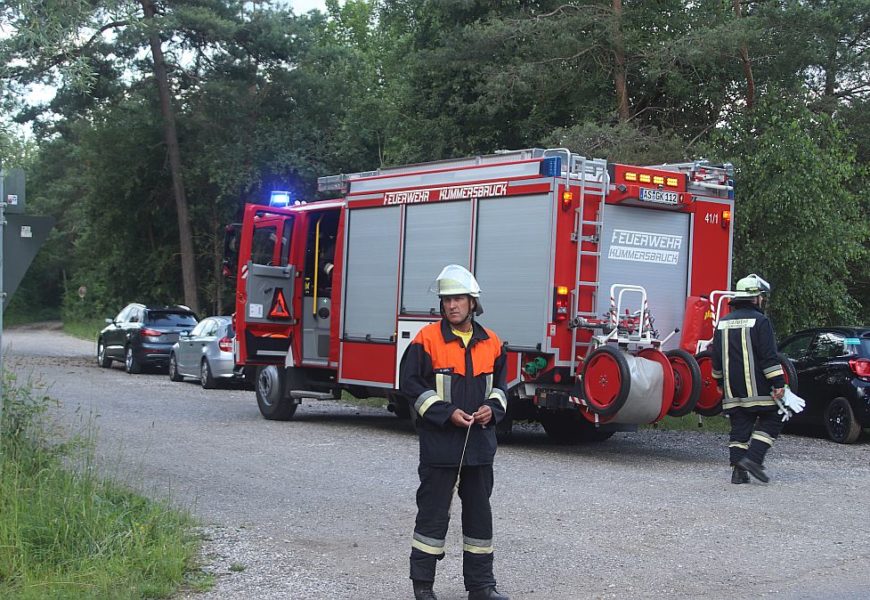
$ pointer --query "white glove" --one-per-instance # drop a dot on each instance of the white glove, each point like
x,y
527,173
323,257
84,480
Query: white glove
x,y
786,413
792,401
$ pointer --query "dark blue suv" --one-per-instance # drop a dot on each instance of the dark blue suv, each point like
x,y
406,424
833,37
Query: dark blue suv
x,y
833,369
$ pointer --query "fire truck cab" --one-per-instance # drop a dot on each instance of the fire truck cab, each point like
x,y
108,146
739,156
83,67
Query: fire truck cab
x,y
331,293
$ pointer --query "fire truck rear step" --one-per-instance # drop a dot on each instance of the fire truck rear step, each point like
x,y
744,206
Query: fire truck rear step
x,y
312,395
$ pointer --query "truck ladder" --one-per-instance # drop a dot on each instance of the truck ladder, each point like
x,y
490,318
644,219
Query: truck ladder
x,y
590,170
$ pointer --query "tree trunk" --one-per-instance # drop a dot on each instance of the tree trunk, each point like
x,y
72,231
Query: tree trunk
x,y
619,80
188,265
747,65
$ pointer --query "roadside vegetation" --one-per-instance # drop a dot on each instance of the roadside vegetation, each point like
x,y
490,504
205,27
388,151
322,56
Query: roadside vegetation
x,y
67,533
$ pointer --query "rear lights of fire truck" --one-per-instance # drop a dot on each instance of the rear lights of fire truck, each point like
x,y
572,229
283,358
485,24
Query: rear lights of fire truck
x,y
726,218
567,199
560,305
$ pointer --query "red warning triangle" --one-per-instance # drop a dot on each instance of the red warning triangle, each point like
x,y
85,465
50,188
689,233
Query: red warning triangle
x,y
279,306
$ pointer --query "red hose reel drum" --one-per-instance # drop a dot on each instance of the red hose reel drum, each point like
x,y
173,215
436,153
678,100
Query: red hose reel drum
x,y
609,393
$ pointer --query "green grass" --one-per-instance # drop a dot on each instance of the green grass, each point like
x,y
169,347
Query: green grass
x,y
66,533
86,330
717,424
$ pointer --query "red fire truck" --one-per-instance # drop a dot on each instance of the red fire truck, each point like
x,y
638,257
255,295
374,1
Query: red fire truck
x,y
585,268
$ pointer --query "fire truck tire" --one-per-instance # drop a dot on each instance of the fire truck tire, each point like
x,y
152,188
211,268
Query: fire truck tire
x,y
687,382
269,387
791,378
399,405
206,380
710,400
606,381
564,427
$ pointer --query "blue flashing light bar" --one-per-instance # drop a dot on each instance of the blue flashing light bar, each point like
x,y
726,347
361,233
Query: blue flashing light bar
x,y
551,166
279,198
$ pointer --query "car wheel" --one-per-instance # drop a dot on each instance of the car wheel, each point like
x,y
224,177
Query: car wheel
x,y
274,405
205,378
840,422
131,363
102,359
173,369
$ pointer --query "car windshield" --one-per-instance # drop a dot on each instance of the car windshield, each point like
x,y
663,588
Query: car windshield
x,y
171,319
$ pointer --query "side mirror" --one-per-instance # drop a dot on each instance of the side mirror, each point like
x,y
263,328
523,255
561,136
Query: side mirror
x,y
110,321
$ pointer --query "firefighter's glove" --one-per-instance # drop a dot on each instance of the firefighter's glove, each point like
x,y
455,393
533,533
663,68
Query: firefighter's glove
x,y
792,401
786,413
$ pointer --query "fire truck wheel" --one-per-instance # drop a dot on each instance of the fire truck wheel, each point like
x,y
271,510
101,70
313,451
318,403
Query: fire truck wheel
x,y
791,378
606,381
687,382
564,427
710,400
205,377
399,405
274,405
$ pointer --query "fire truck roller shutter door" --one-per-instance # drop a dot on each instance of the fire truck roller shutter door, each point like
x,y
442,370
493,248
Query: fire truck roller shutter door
x,y
514,256
650,248
372,263
435,235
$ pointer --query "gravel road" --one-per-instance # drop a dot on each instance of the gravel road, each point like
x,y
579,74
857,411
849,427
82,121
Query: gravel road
x,y
323,506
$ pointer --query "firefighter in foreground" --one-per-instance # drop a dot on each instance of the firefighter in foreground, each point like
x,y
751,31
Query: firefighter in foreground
x,y
751,379
454,374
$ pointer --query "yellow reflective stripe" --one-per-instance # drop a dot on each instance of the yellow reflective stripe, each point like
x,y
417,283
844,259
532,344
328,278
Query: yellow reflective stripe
x,y
439,385
499,395
726,368
735,402
743,445
775,372
747,367
762,437
716,374
426,548
477,549
427,403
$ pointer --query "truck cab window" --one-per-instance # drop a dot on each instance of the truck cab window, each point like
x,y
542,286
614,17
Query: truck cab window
x,y
320,253
263,245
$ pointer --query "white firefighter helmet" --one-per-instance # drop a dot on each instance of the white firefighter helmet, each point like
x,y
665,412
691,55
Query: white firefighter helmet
x,y
456,280
751,286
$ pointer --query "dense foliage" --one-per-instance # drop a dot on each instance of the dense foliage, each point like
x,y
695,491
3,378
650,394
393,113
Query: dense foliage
x,y
264,98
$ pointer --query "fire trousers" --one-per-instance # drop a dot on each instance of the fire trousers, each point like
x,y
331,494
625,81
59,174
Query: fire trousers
x,y
433,517
752,433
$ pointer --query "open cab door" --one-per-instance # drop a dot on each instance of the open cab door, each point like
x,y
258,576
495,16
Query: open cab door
x,y
265,313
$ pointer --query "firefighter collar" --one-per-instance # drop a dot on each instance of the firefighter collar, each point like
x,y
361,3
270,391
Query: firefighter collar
x,y
477,332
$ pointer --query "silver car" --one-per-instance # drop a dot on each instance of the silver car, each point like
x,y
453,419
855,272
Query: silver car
x,y
205,353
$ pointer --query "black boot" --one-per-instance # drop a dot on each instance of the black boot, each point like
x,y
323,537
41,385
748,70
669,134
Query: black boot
x,y
487,593
423,590
755,469
739,475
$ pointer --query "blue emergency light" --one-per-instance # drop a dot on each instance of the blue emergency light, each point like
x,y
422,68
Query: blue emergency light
x,y
279,198
551,166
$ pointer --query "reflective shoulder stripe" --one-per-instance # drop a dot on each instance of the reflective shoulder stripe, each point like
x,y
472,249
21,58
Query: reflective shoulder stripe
x,y
477,546
425,400
499,395
736,324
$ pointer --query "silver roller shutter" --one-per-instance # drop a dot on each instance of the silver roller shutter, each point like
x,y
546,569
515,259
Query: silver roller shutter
x,y
436,235
371,283
650,248
513,260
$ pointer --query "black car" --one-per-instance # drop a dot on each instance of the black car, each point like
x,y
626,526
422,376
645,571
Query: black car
x,y
833,369
142,336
